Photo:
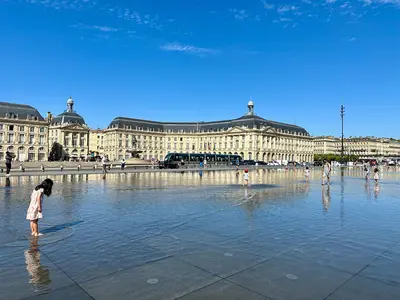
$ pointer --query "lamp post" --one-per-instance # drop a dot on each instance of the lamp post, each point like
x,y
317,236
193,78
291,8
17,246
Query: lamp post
x,y
342,116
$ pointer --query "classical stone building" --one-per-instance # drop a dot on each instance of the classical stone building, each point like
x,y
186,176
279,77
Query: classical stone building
x,y
364,147
96,142
68,135
23,131
250,136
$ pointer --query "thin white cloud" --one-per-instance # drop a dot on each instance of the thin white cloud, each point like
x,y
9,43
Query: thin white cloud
x,y
152,21
352,39
286,8
96,27
177,47
267,5
105,28
239,14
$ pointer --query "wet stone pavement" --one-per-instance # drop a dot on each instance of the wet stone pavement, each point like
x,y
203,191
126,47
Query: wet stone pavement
x,y
203,236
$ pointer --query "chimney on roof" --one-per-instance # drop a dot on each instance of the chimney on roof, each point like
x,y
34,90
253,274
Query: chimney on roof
x,y
49,117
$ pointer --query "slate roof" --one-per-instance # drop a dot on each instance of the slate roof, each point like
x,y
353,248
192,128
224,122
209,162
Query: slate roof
x,y
68,117
19,111
250,121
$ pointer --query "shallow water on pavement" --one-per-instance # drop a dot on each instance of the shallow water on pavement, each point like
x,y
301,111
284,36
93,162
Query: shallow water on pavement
x,y
223,234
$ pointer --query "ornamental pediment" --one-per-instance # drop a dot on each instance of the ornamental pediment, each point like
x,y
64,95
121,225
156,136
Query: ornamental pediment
x,y
74,127
269,129
237,129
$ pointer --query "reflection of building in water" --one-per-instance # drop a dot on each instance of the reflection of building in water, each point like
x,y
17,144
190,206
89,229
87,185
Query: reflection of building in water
x,y
250,136
39,274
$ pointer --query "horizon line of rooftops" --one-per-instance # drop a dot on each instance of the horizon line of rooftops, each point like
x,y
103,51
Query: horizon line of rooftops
x,y
69,116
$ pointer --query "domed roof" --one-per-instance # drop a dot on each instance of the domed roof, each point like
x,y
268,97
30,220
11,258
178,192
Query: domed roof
x,y
251,103
69,116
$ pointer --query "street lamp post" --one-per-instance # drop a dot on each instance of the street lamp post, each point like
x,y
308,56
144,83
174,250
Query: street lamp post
x,y
342,116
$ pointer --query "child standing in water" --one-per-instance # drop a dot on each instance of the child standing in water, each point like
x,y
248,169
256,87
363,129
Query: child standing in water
x,y
376,175
326,172
34,212
307,173
367,172
246,177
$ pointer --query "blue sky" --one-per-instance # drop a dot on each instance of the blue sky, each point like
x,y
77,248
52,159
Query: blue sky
x,y
182,60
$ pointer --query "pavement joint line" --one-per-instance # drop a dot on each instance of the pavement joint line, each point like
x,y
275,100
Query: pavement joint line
x,y
122,270
362,269
58,289
62,270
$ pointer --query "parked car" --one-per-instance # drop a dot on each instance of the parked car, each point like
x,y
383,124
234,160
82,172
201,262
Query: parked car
x,y
249,162
318,163
293,164
273,163
261,163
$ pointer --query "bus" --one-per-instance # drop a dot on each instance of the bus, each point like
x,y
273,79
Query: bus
x,y
177,160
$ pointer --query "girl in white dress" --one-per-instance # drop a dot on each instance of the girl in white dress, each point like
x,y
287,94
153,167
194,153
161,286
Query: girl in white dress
x,y
246,177
376,175
34,212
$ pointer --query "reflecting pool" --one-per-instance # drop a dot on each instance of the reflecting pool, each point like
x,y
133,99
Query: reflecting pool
x,y
191,235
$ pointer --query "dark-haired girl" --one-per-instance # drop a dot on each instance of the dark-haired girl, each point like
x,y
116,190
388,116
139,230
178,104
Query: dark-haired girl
x,y
34,212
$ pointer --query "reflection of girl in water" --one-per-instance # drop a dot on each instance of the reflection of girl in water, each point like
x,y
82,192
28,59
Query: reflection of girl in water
x,y
40,276
376,190
326,198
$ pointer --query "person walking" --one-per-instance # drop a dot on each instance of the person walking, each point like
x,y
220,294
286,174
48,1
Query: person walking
x,y
104,161
123,164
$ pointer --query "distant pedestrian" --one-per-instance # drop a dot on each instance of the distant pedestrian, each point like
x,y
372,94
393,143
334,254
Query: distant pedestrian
x,y
326,172
367,172
34,212
201,164
237,164
123,164
307,174
104,161
246,177
205,162
9,158
376,175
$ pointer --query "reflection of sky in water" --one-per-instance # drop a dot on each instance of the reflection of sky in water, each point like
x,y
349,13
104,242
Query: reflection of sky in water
x,y
280,210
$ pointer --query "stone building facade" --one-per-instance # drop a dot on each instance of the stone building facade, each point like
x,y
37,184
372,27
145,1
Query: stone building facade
x,y
96,142
364,147
68,135
23,131
250,136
